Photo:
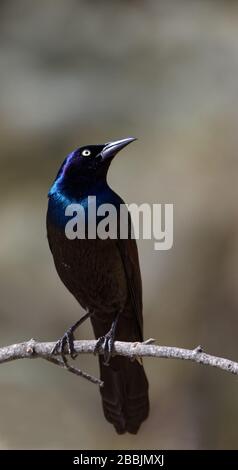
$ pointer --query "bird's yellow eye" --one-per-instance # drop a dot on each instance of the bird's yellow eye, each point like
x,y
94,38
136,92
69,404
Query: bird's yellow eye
x,y
86,153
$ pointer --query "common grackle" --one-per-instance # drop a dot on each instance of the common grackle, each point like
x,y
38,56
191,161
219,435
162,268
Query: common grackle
x,y
104,276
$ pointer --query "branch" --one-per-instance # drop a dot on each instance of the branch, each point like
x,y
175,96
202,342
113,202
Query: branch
x,y
33,349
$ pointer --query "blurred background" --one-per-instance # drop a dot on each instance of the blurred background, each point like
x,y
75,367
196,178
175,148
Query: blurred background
x,y
78,72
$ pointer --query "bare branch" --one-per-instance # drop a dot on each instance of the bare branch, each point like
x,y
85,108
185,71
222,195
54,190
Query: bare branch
x,y
33,349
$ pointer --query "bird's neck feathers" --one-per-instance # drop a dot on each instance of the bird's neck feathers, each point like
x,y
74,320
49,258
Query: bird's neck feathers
x,y
73,185
75,191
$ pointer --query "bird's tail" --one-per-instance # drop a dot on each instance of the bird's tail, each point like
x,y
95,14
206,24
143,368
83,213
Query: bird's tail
x,y
124,394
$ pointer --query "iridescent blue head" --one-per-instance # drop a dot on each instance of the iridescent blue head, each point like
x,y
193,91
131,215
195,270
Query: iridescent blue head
x,y
85,169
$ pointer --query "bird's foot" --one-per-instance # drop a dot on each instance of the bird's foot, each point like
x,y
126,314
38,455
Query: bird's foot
x,y
106,342
65,345
67,340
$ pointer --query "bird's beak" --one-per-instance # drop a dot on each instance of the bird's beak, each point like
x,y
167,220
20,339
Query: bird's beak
x,y
112,148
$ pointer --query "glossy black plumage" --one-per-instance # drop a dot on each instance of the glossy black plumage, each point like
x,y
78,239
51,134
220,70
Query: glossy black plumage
x,y
104,276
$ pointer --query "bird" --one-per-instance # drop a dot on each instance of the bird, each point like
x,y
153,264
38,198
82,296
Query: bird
x,y
105,278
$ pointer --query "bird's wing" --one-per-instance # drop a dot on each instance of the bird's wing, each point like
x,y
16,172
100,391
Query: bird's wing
x,y
129,255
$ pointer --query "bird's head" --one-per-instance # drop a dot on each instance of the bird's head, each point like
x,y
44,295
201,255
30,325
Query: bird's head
x,y
86,167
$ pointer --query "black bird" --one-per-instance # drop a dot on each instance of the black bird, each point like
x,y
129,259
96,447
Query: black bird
x,y
104,276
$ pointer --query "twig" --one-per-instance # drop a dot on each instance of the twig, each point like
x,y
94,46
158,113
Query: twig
x,y
74,370
33,349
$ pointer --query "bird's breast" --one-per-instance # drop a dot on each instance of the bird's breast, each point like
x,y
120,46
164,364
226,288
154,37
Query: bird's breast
x,y
91,269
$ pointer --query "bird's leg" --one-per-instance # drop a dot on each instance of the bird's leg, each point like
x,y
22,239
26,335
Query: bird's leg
x,y
68,339
107,342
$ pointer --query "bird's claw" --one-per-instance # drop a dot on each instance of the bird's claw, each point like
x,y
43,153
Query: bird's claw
x,y
65,345
106,343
